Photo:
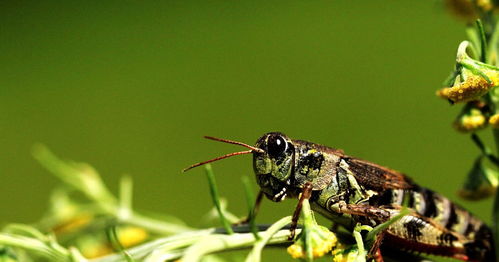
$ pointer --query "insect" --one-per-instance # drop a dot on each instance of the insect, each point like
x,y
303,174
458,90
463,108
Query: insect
x,y
348,190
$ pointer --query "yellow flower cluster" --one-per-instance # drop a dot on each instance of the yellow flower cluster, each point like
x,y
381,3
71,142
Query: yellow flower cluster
x,y
471,89
323,241
131,236
470,121
475,120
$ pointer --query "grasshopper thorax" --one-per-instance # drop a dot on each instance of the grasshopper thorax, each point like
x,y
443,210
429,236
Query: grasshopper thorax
x,y
273,166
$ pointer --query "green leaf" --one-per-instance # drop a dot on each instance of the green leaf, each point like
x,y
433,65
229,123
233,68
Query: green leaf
x,y
216,198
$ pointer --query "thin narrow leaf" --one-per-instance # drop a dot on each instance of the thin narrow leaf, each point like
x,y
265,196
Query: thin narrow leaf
x,y
216,199
483,41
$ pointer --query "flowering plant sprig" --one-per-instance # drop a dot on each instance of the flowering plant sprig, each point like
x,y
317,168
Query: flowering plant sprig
x,y
98,230
471,80
474,83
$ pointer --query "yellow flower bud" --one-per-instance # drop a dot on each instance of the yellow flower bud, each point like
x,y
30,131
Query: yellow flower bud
x,y
485,5
494,121
470,120
130,236
97,245
323,241
471,89
296,251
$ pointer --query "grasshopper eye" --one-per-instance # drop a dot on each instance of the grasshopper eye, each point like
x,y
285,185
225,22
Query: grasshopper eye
x,y
276,146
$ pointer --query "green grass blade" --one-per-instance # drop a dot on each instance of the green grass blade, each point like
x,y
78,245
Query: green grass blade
x,y
216,198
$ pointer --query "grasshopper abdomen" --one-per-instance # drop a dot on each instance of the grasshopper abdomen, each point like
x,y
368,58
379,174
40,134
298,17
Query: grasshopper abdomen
x,y
436,225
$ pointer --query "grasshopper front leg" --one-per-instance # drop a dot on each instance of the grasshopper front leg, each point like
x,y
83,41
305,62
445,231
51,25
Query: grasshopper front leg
x,y
256,208
305,194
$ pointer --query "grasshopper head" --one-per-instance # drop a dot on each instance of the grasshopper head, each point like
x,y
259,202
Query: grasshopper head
x,y
274,164
273,161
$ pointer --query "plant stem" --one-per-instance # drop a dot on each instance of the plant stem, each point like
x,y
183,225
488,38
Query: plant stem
x,y
215,243
495,213
154,225
206,241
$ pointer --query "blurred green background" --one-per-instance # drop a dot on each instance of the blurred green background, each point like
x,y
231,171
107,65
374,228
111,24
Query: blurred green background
x,y
132,86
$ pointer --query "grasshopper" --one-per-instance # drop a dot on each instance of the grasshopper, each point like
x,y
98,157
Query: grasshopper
x,y
348,190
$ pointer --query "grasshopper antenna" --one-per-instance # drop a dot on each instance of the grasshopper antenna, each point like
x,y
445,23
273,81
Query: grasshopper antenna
x,y
255,149
216,159
252,149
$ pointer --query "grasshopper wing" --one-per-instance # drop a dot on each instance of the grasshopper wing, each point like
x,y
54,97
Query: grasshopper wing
x,y
376,177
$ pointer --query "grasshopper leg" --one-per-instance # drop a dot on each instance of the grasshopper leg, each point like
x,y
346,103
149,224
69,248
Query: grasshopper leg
x,y
305,194
258,202
362,210
378,213
375,250
256,208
